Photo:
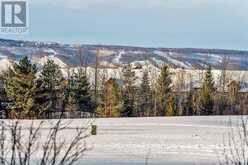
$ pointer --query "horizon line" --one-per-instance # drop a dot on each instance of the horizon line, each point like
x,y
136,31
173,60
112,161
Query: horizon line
x,y
120,45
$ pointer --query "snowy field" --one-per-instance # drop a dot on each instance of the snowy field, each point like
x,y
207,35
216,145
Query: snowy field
x,y
157,141
176,140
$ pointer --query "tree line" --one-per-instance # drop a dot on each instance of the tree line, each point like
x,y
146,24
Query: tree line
x,y
27,94
30,96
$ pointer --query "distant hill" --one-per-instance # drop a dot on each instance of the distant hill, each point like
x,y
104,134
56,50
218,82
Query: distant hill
x,y
117,56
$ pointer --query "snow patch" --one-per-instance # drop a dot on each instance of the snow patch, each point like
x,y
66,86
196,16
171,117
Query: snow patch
x,y
105,52
107,64
5,64
56,60
50,51
169,55
117,59
158,62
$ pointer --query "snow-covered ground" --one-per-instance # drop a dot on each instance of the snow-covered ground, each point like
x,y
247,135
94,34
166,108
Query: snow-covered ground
x,y
162,140
176,140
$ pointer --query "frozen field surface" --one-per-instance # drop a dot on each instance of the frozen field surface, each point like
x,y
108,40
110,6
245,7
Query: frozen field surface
x,y
155,141
176,140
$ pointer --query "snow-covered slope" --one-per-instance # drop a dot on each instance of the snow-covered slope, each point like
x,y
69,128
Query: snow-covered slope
x,y
168,56
5,64
113,58
121,55
44,59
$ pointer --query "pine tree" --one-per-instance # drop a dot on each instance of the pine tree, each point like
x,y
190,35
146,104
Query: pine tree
x,y
206,98
82,92
145,96
20,88
111,99
222,104
189,107
128,93
171,107
50,88
164,89
3,98
70,100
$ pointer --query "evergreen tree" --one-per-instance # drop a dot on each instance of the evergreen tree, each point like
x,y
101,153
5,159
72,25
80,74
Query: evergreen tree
x,y
50,88
82,92
164,89
129,93
3,99
206,98
222,104
70,100
20,88
189,101
189,107
111,99
171,107
145,96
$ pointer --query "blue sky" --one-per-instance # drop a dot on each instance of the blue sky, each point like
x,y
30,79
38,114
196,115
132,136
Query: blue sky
x,y
149,23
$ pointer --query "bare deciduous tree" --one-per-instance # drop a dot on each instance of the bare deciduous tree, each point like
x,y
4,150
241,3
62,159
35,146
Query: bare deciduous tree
x,y
235,147
41,144
224,63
